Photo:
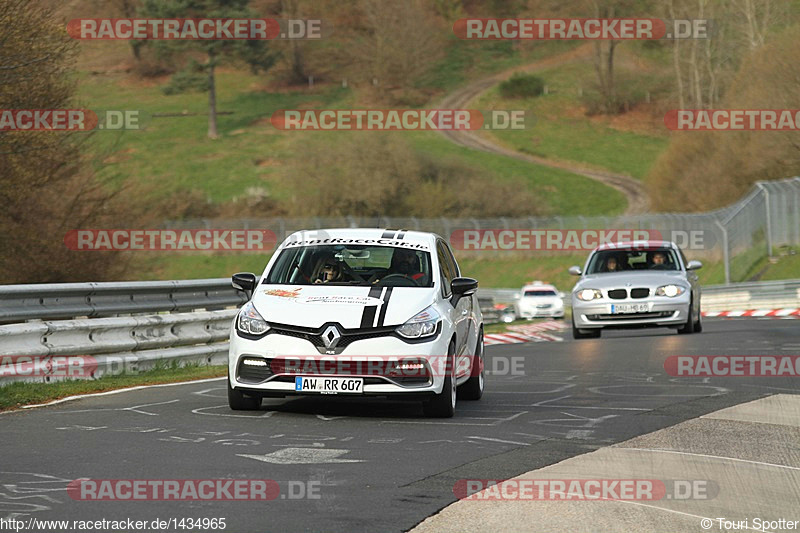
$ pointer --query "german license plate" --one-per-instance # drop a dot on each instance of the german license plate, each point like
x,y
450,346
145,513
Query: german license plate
x,y
329,385
618,309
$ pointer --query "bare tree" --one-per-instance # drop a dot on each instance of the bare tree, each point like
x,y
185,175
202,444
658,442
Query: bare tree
x,y
399,41
604,58
46,187
704,67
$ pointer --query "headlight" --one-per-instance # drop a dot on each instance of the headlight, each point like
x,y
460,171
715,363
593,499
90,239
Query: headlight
x,y
588,294
250,322
670,291
423,324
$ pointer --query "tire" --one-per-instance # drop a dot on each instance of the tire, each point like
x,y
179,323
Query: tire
x,y
688,327
583,334
239,401
443,405
698,326
473,388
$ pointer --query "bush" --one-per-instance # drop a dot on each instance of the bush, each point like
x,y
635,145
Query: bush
x,y
522,86
368,174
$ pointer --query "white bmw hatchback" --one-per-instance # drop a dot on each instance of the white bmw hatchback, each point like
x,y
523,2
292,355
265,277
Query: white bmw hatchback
x,y
358,312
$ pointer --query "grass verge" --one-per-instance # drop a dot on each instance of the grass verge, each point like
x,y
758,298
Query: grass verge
x,y
15,395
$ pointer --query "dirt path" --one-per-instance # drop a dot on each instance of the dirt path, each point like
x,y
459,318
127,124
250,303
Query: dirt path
x,y
632,189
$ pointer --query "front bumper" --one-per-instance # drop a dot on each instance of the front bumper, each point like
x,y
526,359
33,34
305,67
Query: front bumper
x,y
542,313
287,357
661,312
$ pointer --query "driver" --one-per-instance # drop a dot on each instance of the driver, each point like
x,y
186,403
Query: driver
x,y
612,265
658,259
406,262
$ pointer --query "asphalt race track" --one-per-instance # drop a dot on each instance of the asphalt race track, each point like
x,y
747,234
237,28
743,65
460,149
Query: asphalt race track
x,y
378,466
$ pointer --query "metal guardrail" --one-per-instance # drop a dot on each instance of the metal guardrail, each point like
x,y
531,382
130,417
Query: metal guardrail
x,y
92,300
29,351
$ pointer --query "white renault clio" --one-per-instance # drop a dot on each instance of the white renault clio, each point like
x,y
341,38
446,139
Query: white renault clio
x,y
358,312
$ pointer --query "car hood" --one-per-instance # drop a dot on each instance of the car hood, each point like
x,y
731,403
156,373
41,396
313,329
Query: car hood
x,y
352,307
650,279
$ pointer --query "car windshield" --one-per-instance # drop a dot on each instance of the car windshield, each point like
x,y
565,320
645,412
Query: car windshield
x,y
616,260
359,265
539,292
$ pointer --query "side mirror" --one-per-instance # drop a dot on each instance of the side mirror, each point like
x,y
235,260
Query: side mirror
x,y
561,295
462,287
244,281
694,265
575,270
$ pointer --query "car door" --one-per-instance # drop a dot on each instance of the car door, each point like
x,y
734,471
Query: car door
x,y
462,311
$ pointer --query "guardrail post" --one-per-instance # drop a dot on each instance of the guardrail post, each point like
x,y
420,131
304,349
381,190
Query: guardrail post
x,y
769,217
725,256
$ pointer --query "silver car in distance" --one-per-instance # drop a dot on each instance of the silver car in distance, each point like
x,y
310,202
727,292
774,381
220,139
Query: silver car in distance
x,y
636,284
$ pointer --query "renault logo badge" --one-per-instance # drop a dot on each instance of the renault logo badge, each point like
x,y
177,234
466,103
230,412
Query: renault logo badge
x,y
330,337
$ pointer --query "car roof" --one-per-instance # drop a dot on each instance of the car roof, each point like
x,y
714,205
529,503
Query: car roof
x,y
627,245
399,238
539,285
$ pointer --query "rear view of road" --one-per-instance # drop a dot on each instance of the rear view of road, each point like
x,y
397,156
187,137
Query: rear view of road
x,y
632,189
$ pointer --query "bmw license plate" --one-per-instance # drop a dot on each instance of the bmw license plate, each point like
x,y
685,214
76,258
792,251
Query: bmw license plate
x,y
329,385
618,309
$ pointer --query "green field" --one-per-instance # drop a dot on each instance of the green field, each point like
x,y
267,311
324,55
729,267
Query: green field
x,y
560,130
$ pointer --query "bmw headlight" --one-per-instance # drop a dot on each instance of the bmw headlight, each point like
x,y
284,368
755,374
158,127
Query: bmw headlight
x,y
250,322
588,295
423,324
670,291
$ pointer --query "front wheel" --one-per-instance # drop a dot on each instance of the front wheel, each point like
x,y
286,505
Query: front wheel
x,y
443,405
688,327
698,326
239,401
